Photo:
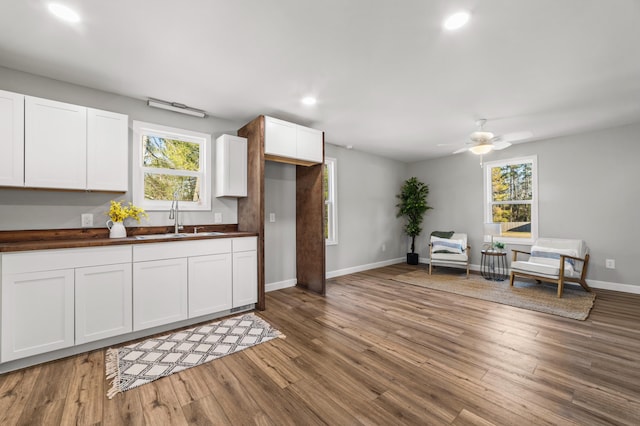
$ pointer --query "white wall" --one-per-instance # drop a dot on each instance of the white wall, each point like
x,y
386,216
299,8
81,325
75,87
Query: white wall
x,y
587,188
280,236
35,209
367,188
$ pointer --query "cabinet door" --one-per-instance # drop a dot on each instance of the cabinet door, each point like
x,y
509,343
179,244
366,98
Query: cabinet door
x,y
37,313
209,284
107,151
102,302
245,278
55,144
11,139
231,166
279,138
159,292
309,144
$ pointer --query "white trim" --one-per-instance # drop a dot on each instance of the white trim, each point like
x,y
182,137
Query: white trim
x,y
606,285
360,268
488,216
280,285
205,172
332,167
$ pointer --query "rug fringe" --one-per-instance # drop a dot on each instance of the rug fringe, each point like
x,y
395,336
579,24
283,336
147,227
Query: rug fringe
x,y
113,372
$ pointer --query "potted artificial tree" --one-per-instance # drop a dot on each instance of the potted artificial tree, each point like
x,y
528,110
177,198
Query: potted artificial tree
x,y
413,206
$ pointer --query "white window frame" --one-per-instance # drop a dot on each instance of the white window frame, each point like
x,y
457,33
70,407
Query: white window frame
x,y
204,173
488,203
332,201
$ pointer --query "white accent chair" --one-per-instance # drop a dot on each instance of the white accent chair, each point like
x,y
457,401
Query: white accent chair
x,y
457,255
553,260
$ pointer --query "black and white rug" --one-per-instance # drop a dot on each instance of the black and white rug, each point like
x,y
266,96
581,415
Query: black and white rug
x,y
143,362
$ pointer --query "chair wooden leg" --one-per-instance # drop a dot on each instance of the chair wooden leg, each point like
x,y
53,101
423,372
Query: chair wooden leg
x,y
513,276
467,270
429,268
584,285
560,286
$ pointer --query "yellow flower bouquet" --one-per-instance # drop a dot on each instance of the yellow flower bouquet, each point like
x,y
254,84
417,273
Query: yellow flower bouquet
x,y
118,212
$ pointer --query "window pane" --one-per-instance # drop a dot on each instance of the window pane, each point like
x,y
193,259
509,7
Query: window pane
x,y
326,220
161,187
171,153
514,219
512,182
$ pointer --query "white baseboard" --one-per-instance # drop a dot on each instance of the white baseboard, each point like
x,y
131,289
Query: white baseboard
x,y
360,268
606,285
280,285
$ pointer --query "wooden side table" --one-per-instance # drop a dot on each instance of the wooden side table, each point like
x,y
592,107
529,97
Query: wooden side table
x,y
493,265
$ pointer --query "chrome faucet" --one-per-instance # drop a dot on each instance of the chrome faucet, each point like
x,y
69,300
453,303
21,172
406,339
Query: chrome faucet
x,y
174,212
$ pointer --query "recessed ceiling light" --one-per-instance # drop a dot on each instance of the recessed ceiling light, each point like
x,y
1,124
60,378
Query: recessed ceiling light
x,y
457,20
309,100
63,12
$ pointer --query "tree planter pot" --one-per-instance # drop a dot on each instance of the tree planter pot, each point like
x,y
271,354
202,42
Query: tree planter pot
x,y
412,258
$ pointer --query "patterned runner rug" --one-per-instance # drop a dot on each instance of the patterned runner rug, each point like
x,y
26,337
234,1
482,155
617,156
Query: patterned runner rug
x,y
143,362
574,303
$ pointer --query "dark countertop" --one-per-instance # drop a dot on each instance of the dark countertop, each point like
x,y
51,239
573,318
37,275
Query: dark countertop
x,y
13,241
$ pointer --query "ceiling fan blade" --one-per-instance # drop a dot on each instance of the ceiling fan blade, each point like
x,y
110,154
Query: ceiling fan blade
x,y
460,150
516,136
501,145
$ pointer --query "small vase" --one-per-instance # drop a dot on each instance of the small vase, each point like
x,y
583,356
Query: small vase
x,y
116,229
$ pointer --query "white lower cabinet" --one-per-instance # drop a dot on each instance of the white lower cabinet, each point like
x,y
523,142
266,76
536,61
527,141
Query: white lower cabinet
x,y
55,299
159,292
245,271
103,302
210,284
37,313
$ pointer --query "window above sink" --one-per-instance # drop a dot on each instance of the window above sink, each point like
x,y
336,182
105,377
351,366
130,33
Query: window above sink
x,y
167,160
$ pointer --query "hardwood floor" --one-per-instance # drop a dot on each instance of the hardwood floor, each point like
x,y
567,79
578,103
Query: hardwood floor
x,y
374,351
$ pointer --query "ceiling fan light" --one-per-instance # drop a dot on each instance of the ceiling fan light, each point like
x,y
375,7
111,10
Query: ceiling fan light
x,y
481,149
481,136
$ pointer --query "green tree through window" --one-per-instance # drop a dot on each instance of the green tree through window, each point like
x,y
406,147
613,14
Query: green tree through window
x,y
511,197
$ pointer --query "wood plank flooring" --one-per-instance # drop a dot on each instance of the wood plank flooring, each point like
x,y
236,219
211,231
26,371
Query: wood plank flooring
x,y
374,352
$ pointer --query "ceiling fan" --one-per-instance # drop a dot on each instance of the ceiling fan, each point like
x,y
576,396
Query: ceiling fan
x,y
482,141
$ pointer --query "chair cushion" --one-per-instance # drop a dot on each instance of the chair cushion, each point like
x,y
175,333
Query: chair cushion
x,y
551,256
445,245
449,257
551,271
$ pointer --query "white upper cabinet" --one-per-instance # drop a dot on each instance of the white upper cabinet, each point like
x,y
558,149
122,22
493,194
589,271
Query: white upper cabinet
x,y
107,151
280,138
231,166
11,139
291,143
55,144
310,145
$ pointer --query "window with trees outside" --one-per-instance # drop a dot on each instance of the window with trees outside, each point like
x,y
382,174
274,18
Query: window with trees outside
x,y
511,198
168,163
330,201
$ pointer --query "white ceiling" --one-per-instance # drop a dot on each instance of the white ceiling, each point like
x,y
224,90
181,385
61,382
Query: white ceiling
x,y
388,78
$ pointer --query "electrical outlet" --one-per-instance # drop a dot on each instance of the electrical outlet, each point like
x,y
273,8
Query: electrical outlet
x,y
86,220
610,264
217,218
272,217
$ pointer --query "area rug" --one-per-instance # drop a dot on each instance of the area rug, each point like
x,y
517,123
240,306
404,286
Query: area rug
x,y
143,362
575,304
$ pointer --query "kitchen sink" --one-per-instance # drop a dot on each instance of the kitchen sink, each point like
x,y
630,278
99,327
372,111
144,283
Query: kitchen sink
x,y
179,235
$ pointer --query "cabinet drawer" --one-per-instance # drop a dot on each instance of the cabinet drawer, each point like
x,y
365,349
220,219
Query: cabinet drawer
x,y
245,244
172,250
52,260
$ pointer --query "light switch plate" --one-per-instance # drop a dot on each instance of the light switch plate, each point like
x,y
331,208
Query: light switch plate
x,y
272,217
